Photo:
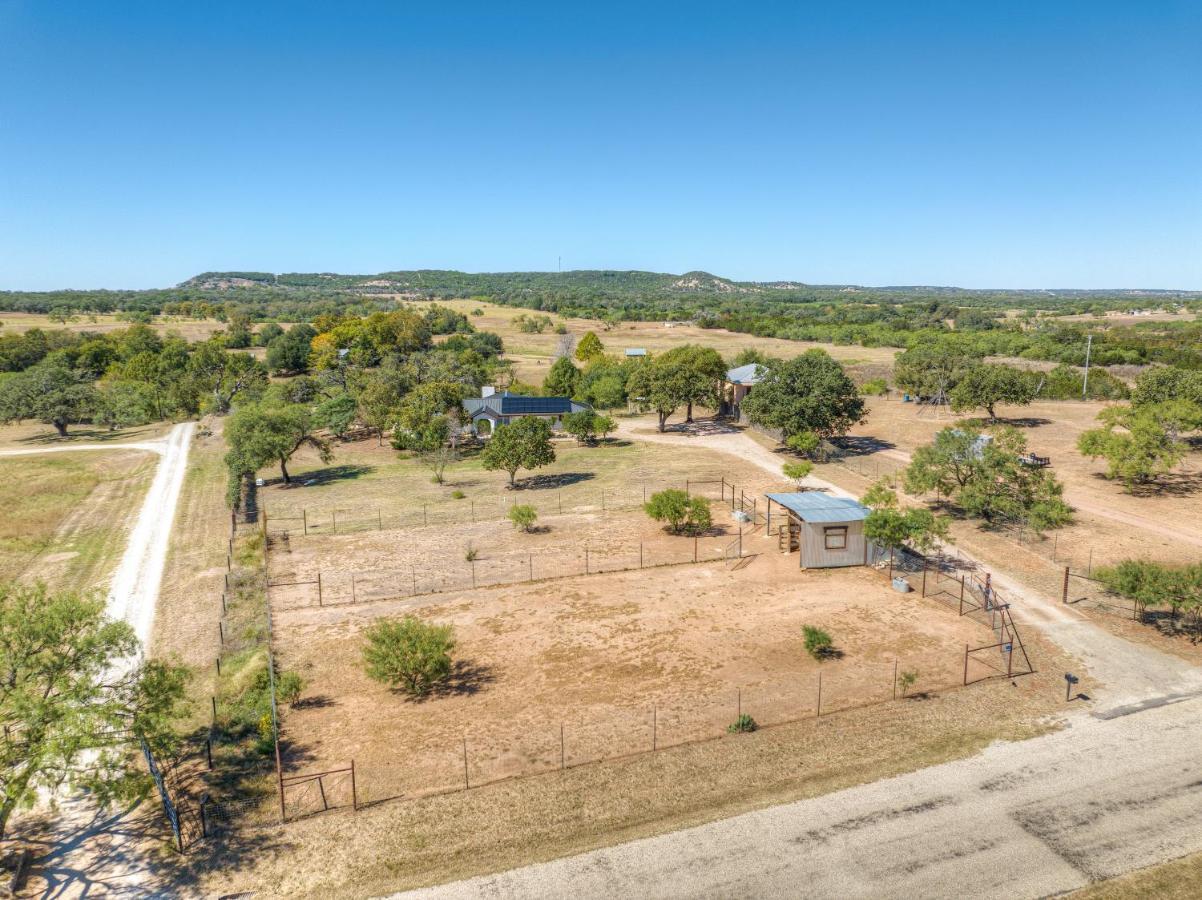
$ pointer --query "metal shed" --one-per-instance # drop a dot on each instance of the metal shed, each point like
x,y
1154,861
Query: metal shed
x,y
828,531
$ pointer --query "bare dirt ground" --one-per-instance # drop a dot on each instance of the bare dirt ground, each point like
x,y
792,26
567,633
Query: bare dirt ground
x,y
595,654
34,435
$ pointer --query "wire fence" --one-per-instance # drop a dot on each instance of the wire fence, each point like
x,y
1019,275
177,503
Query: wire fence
x,y
327,587
546,502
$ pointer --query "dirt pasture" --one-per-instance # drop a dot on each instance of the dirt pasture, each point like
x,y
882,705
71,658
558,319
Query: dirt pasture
x,y
621,661
385,564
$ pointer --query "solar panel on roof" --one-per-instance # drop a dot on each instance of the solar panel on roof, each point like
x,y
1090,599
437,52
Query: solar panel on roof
x,y
534,405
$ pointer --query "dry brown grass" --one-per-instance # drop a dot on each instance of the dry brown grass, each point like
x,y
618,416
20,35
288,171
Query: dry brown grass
x,y
534,353
67,514
394,846
1180,879
189,329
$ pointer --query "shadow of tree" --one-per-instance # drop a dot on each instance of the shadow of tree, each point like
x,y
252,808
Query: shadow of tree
x,y
325,476
1171,484
550,482
467,678
862,445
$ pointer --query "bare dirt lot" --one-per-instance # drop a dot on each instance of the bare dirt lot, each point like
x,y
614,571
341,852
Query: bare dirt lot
x,y
595,654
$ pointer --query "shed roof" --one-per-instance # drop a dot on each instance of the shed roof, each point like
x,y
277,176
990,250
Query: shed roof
x,y
815,506
636,351
752,373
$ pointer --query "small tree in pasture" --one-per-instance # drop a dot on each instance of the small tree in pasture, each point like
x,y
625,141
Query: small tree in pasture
x,y
409,654
684,514
523,517
525,444
818,643
797,471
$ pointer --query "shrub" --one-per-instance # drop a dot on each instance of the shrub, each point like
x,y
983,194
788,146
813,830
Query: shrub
x,y
805,443
744,724
470,553
906,681
266,740
874,387
288,687
457,495
684,514
409,653
523,516
797,471
818,643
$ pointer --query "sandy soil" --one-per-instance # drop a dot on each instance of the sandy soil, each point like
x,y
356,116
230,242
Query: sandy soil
x,y
595,654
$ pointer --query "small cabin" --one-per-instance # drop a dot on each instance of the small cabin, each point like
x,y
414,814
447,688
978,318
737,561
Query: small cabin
x,y
826,531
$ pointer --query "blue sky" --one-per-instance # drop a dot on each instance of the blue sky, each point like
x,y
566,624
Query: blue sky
x,y
984,145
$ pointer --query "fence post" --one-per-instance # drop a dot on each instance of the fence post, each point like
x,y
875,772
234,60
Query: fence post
x,y
424,517
1064,595
204,826
966,663
586,559
895,679
354,598
738,703
640,554
221,632
473,574
413,569
654,727
319,587
473,502
213,700
530,561
560,493
466,783
335,515
218,661
924,576
694,548
379,520
562,765
354,792
818,713
890,563
209,752
961,595
305,519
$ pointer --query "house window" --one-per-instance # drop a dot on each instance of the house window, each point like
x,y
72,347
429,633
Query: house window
x,y
835,537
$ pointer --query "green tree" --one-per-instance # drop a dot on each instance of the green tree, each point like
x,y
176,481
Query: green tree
x,y
225,376
523,516
125,403
289,352
810,393
684,514
985,386
69,696
804,442
586,425
336,414
1164,383
984,475
50,393
590,347
797,471
258,434
888,525
1142,443
562,378
524,444
267,333
409,653
933,366
681,377
424,418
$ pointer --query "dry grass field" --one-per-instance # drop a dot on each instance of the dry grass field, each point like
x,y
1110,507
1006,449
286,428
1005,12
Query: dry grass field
x,y
67,514
189,329
534,353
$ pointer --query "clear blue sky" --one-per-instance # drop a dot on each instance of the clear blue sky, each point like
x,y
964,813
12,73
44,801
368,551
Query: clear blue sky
x,y
1041,144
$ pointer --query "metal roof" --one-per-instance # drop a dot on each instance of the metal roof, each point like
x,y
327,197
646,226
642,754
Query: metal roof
x,y
752,373
515,405
636,351
815,506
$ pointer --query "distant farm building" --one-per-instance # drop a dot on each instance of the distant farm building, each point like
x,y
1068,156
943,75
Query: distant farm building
x,y
739,382
828,531
491,409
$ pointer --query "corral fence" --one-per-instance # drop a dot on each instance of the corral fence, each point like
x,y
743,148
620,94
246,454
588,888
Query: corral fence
x,y
971,595
485,757
546,502
341,588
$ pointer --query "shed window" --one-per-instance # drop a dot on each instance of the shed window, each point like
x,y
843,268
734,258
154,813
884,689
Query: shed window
x,y
835,537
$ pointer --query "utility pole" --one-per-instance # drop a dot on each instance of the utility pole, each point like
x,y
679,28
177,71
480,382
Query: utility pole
x,y
1085,383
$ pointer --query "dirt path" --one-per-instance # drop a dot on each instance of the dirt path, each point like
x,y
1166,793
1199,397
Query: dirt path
x,y
1130,672
90,851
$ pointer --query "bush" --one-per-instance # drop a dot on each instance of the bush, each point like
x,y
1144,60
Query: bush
x,y
684,514
874,387
409,653
470,553
523,516
288,687
744,724
805,443
818,643
457,495
797,471
906,681
266,740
